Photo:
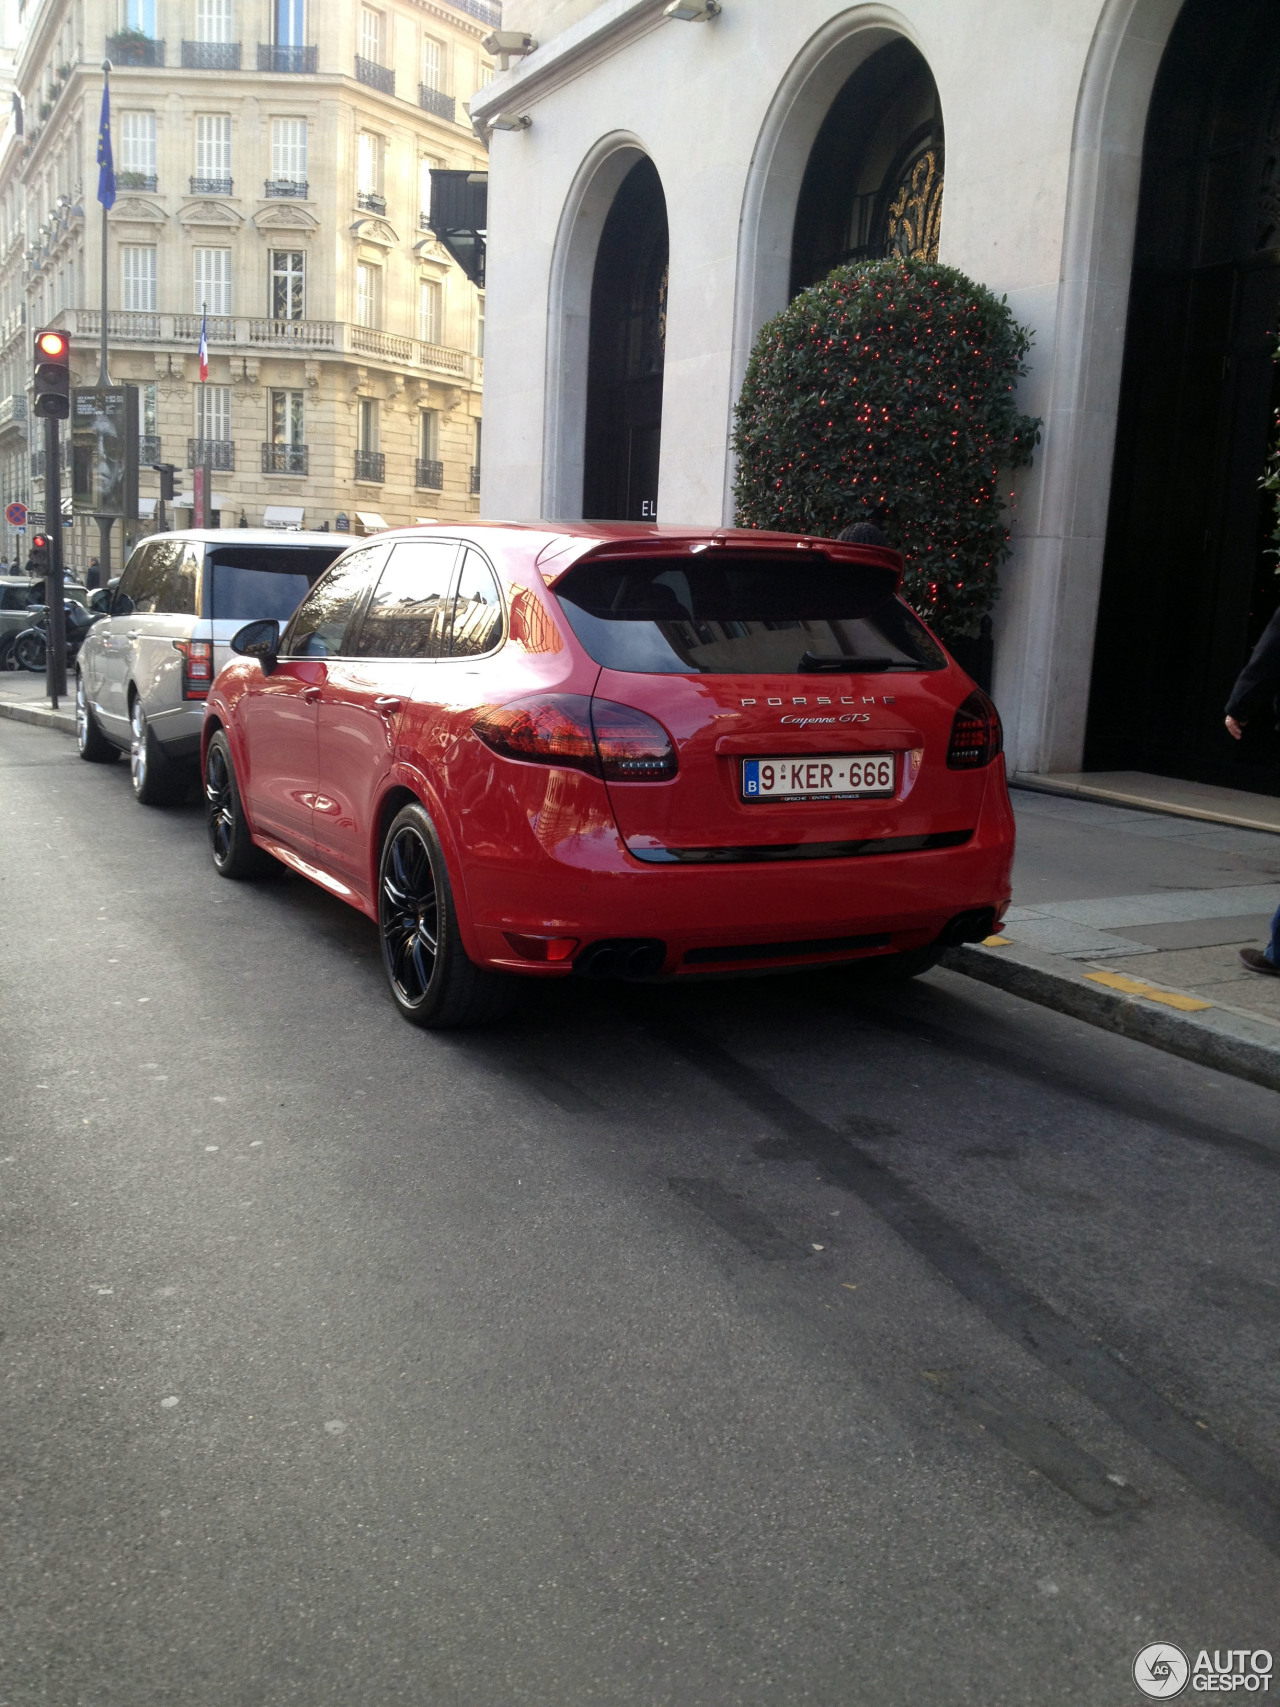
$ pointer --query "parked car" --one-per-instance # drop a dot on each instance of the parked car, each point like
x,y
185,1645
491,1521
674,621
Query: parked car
x,y
144,673
613,751
19,594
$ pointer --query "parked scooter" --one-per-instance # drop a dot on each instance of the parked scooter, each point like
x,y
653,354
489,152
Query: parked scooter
x,y
30,647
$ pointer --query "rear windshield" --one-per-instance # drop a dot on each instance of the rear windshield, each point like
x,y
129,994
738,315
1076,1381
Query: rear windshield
x,y
726,616
246,581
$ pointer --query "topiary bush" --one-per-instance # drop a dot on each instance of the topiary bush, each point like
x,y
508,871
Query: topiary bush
x,y
891,384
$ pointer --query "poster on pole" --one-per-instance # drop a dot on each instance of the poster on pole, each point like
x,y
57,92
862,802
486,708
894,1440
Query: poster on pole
x,y
104,450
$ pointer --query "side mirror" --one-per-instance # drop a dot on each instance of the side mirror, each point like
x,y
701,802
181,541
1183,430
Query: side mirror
x,y
259,640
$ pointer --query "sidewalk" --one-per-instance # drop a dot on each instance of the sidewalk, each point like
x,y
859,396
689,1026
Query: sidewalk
x,y
1134,920
22,696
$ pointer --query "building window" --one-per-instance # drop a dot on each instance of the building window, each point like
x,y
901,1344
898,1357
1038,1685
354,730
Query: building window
x,y
213,20
429,435
140,15
369,437
425,168
290,23
370,35
289,150
286,418
137,162
433,64
138,279
148,419
213,147
288,273
213,413
480,323
430,321
213,281
486,74
368,298
369,156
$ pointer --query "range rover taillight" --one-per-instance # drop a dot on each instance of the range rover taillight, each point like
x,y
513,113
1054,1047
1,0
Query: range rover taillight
x,y
615,742
197,667
976,735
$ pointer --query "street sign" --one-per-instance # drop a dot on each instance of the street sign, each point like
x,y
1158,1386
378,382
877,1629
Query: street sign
x,y
15,514
36,518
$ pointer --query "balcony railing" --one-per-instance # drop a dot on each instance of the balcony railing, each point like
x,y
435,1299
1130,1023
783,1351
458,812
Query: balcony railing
x,y
480,9
220,328
436,101
371,465
446,360
475,479
136,181
13,410
286,187
307,334
211,186
121,323
429,475
368,202
375,75
221,454
284,459
211,56
385,344
129,48
274,58
148,449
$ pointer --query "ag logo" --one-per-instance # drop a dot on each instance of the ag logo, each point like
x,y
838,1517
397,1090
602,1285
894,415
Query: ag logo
x,y
1161,1671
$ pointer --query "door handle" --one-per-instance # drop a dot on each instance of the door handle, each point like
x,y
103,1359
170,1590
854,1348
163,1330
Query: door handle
x,y
310,695
388,704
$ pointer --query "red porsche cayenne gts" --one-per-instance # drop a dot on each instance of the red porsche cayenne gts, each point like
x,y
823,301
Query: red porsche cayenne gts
x,y
619,751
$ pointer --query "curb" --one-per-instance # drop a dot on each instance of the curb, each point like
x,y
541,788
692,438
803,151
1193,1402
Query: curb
x,y
40,714
1224,1038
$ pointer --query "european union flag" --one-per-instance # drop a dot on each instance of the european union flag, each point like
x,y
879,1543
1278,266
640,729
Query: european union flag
x,y
106,166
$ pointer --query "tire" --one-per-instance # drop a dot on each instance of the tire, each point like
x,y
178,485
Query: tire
x,y
150,773
29,653
432,981
894,968
235,855
92,743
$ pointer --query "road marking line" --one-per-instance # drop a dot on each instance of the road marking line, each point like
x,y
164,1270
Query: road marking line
x,y
1136,987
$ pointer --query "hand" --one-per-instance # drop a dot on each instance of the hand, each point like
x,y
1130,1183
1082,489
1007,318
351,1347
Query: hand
x,y
1234,729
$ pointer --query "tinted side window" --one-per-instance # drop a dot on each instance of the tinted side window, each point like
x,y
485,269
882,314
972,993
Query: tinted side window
x,y
321,621
15,598
144,579
407,615
122,601
477,609
177,595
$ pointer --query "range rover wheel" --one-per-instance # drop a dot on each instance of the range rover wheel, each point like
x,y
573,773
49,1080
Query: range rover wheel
x,y
234,851
149,770
92,743
433,983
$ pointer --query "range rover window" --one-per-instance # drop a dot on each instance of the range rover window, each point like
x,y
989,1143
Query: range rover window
x,y
177,595
244,582
477,610
144,576
726,615
320,623
407,615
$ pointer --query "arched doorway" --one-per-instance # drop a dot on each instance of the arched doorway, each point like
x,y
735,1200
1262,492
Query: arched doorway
x,y
873,183
625,355
1186,587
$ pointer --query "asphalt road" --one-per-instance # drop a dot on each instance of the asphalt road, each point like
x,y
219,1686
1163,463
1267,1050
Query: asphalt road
x,y
742,1344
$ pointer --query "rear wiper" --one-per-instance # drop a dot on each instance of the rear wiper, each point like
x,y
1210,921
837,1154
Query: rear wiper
x,y
811,661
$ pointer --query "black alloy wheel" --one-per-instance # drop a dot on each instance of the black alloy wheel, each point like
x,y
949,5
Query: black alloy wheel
x,y
235,854
433,983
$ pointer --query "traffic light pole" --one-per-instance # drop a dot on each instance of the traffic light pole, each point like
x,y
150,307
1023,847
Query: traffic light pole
x,y
55,676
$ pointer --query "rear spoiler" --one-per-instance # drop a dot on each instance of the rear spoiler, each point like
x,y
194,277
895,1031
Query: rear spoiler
x,y
568,551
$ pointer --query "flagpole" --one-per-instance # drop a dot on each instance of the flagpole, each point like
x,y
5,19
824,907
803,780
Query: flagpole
x,y
104,377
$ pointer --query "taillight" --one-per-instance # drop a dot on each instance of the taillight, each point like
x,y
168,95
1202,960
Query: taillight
x,y
197,667
615,742
976,736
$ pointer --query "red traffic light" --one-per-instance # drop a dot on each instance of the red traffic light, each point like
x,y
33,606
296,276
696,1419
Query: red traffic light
x,y
53,344
39,542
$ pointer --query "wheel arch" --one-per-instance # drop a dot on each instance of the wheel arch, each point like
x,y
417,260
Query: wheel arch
x,y
411,787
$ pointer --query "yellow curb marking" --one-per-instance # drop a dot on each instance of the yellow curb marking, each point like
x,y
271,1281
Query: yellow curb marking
x,y
1136,987
995,942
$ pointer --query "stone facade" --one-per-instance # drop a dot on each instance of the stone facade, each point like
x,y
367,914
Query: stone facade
x,y
285,186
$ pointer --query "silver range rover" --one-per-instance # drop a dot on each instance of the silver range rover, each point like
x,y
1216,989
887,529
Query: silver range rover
x,y
144,673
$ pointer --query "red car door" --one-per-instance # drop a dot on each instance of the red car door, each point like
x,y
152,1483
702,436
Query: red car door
x,y
278,714
402,634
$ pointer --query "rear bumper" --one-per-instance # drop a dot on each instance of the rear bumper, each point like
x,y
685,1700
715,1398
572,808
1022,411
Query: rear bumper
x,y
710,918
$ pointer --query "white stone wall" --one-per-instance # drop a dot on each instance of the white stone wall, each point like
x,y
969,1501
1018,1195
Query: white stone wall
x,y
1043,107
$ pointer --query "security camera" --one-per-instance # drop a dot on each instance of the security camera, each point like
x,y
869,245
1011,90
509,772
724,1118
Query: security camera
x,y
508,45
692,11
510,121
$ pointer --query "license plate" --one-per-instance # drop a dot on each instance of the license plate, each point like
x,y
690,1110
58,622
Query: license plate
x,y
821,776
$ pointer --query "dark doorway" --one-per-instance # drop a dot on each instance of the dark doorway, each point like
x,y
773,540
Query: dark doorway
x,y
1186,587
624,364
873,184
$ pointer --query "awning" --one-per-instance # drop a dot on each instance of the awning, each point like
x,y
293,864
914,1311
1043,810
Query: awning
x,y
282,516
146,509
187,501
371,521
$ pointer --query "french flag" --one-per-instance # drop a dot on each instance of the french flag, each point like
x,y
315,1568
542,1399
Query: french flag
x,y
204,347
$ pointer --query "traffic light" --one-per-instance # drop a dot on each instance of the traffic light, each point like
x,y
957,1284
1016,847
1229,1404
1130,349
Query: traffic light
x,y
166,471
53,375
38,559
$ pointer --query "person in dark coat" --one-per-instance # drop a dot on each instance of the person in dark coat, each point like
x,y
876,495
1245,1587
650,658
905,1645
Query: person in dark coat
x,y
1257,683
869,532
